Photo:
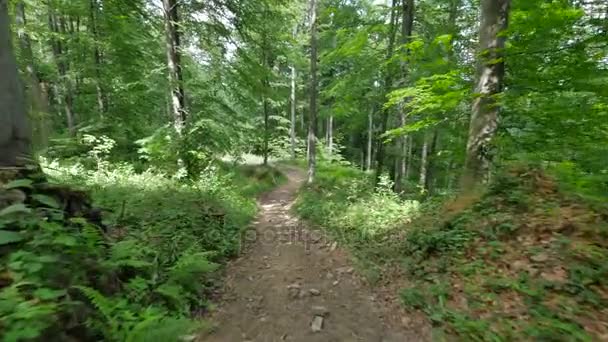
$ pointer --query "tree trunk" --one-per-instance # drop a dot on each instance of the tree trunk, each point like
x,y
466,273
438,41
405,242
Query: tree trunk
x,y
407,24
431,162
172,35
266,126
424,164
292,129
37,98
102,101
388,83
408,157
63,88
312,124
490,75
370,140
330,135
15,140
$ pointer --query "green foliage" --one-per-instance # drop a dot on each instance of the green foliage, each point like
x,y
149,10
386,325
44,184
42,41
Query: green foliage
x,y
343,201
144,277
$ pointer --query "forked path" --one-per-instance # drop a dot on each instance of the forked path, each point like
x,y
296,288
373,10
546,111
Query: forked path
x,y
287,276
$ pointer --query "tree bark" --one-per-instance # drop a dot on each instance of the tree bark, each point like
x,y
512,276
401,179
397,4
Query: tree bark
x,y
330,135
407,24
266,125
430,170
388,83
370,140
490,75
172,36
38,103
312,124
102,100
63,88
423,164
15,140
292,128
408,157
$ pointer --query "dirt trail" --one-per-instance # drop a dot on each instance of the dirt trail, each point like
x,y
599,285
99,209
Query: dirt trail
x,y
288,272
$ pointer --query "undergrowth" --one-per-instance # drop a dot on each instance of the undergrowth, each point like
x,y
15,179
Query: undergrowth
x,y
144,275
522,260
343,201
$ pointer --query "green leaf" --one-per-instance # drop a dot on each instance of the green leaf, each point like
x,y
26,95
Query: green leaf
x,y
46,200
19,183
66,240
15,208
48,294
7,237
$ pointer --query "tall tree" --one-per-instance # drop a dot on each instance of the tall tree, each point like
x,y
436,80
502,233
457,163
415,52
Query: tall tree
x,y
174,63
292,101
388,84
63,88
102,100
312,122
37,97
490,75
407,24
15,140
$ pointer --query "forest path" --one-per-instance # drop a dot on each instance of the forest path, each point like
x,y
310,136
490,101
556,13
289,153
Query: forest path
x,y
290,276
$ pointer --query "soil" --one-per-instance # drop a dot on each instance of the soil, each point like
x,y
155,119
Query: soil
x,y
289,275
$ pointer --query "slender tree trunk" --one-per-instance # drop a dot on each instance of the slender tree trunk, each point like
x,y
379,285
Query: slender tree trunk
x,y
424,164
15,140
172,35
409,159
490,75
430,170
312,124
388,84
370,140
292,129
266,127
37,97
407,24
102,99
330,135
63,89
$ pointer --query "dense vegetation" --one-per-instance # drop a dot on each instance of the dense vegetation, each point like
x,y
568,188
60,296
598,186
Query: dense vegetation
x,y
463,143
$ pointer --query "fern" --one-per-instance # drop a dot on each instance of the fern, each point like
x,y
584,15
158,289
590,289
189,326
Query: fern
x,y
103,305
191,266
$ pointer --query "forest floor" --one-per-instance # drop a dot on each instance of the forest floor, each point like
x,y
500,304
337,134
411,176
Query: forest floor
x,y
291,283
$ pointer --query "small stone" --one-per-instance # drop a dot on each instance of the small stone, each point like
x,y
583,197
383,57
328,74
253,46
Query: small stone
x,y
263,319
518,265
314,292
541,257
320,311
333,246
347,270
294,291
533,271
335,283
317,324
